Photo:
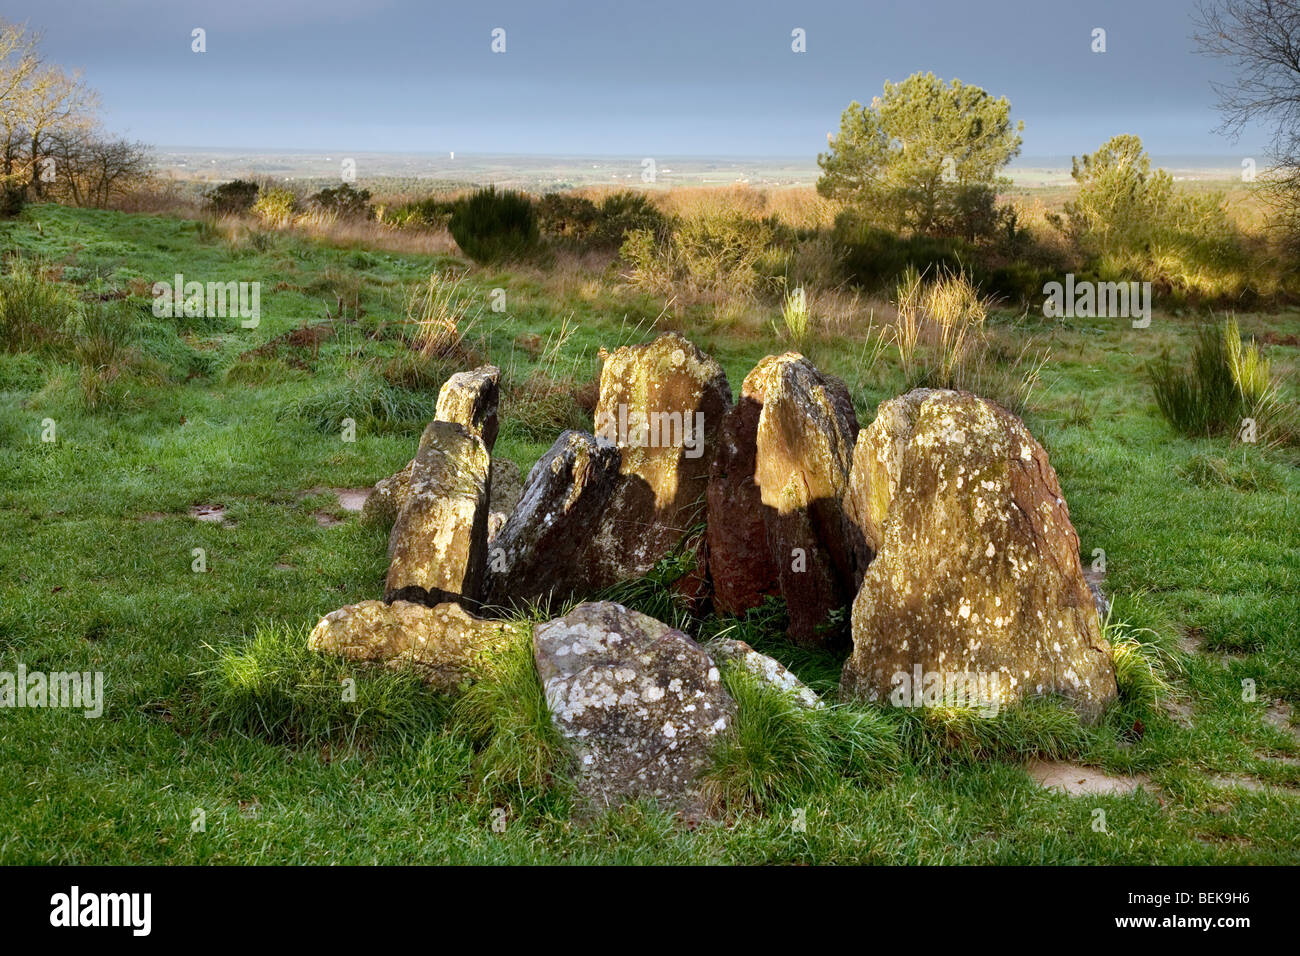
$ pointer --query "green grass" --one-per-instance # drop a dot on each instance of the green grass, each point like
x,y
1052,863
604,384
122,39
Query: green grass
x,y
213,704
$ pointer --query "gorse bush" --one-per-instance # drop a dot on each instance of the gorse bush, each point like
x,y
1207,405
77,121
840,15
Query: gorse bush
x,y
492,226
233,197
586,224
729,255
343,201
276,208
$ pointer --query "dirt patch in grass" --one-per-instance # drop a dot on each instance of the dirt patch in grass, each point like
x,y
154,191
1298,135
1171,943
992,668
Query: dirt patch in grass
x,y
353,499
216,514
1075,780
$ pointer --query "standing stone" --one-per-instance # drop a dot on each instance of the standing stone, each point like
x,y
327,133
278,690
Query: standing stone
x,y
538,554
776,523
661,404
471,398
466,398
640,704
386,499
447,646
439,542
977,571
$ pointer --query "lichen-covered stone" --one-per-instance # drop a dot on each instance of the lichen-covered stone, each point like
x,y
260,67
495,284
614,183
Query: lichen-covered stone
x,y
977,567
775,496
386,500
389,494
538,554
503,493
640,703
661,404
471,398
768,670
446,645
438,545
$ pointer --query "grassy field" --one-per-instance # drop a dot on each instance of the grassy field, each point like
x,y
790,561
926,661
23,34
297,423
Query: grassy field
x,y
96,548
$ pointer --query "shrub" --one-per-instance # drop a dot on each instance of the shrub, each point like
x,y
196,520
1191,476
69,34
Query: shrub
x,y
276,207
344,202
431,213
579,220
874,258
566,216
729,254
492,226
233,197
622,212
1131,222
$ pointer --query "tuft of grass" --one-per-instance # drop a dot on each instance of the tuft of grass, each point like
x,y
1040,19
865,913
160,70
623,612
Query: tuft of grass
x,y
796,315
33,310
1209,471
366,398
1038,727
940,326
1142,664
1225,383
504,715
778,749
275,688
764,629
439,315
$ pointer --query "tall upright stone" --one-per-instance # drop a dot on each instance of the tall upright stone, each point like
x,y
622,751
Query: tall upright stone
x,y
775,498
471,398
438,545
976,572
539,553
661,405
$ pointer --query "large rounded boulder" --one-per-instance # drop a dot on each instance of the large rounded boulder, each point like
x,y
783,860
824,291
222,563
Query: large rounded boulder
x,y
976,579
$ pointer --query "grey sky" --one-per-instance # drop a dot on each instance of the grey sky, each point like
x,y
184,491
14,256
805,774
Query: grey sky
x,y
676,77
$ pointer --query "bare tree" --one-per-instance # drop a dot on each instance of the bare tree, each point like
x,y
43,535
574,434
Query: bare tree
x,y
1261,39
93,170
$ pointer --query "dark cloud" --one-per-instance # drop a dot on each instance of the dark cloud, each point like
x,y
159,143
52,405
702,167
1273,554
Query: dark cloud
x,y
672,77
